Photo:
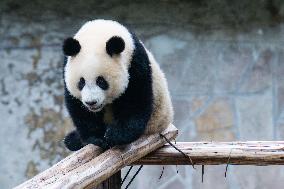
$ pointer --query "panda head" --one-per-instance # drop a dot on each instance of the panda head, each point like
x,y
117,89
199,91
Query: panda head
x,y
99,56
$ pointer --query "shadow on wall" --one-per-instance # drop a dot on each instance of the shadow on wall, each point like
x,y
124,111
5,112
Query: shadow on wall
x,y
204,14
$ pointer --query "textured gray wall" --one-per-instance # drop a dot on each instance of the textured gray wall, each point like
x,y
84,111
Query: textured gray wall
x,y
223,61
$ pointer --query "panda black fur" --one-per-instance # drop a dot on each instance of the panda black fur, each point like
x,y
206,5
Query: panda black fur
x,y
114,89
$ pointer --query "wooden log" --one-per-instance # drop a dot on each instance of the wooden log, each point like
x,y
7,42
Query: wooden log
x,y
66,165
112,182
214,153
92,171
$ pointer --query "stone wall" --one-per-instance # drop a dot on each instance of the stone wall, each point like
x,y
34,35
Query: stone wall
x,y
223,61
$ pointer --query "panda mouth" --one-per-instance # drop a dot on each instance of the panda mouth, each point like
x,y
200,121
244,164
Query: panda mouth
x,y
95,109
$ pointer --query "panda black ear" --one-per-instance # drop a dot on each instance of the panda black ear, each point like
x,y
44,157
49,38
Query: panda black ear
x,y
71,46
115,45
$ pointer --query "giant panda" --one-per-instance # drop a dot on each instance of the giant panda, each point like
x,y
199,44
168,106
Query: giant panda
x,y
114,89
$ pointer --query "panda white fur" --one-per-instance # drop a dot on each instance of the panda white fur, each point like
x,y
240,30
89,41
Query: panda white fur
x,y
114,89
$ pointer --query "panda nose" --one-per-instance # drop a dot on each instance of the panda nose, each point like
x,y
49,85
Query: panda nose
x,y
91,103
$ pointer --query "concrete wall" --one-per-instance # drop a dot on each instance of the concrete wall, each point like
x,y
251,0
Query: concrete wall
x,y
223,61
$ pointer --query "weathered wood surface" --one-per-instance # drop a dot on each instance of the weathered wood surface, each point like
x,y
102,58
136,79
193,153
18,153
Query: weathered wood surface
x,y
84,170
63,167
112,182
213,153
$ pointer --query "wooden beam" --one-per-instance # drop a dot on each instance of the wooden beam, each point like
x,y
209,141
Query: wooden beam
x,y
84,170
112,182
63,167
214,153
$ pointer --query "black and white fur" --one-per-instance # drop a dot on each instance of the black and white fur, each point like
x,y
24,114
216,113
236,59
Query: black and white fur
x,y
114,89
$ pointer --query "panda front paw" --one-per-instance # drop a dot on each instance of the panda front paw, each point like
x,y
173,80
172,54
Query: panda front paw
x,y
73,141
112,136
98,142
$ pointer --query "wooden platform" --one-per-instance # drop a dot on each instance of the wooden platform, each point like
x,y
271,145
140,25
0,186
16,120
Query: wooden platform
x,y
87,169
215,153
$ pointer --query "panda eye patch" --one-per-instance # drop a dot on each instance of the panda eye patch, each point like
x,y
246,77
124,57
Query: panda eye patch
x,y
102,83
81,83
